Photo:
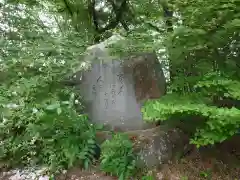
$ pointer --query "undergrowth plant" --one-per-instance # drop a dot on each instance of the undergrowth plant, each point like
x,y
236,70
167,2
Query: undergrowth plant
x,y
38,121
203,52
54,135
117,157
218,123
42,41
148,177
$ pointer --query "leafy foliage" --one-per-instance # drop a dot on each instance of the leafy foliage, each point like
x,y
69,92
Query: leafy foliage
x,y
117,157
203,52
198,41
47,137
38,120
148,177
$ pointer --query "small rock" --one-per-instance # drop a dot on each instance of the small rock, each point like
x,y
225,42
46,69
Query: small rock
x,y
17,176
43,178
64,171
160,176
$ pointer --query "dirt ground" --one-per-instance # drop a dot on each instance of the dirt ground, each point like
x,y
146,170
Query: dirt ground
x,y
221,162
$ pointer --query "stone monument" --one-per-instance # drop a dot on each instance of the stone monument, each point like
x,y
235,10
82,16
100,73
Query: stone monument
x,y
114,89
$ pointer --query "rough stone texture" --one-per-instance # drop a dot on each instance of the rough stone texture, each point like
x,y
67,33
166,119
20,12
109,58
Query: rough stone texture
x,y
159,147
149,79
110,97
155,146
114,90
36,173
79,174
33,173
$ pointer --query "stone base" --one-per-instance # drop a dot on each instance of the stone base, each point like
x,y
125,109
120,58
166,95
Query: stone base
x,y
154,146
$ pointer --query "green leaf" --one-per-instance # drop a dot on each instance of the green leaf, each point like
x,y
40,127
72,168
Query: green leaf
x,y
53,106
59,111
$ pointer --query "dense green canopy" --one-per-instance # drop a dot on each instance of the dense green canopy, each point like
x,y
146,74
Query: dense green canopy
x,y
42,41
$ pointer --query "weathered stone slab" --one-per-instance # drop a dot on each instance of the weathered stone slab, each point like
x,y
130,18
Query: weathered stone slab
x,y
160,147
110,96
113,90
155,146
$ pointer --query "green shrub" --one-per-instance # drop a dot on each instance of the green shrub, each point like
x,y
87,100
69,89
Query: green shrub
x,y
55,136
218,122
117,157
38,121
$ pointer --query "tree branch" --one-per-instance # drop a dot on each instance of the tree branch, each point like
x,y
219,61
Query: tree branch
x,y
58,24
115,9
119,11
92,13
70,12
68,7
168,15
